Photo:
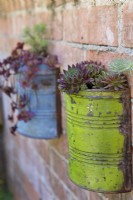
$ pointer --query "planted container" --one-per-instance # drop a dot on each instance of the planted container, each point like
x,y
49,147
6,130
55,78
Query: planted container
x,y
99,138
30,80
44,103
99,126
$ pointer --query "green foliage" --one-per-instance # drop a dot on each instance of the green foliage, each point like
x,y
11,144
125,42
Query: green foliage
x,y
5,195
35,37
121,65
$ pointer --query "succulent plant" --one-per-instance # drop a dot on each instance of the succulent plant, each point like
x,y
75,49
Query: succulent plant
x,y
74,79
121,65
115,82
89,75
96,71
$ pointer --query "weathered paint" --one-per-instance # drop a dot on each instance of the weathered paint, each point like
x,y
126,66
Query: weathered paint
x,y
45,103
99,137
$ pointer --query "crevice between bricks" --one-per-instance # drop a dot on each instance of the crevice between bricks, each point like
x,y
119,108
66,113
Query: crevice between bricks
x,y
59,155
86,47
62,183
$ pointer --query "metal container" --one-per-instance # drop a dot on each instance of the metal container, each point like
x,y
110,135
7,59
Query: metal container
x,y
99,138
44,103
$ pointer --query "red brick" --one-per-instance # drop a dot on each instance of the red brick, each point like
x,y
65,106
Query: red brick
x,y
44,178
67,55
22,4
46,18
59,166
105,56
60,145
61,169
25,184
130,78
94,196
16,4
113,196
13,5
59,190
11,44
48,3
17,24
105,2
56,3
10,6
62,2
53,23
4,26
4,44
45,193
127,19
5,6
57,24
128,196
42,147
76,25
29,4
18,191
38,3
103,25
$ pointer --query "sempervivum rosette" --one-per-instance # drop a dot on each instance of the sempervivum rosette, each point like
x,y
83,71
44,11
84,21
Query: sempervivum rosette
x,y
74,79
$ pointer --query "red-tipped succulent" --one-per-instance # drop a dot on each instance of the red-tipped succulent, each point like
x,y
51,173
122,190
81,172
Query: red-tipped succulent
x,y
74,80
89,75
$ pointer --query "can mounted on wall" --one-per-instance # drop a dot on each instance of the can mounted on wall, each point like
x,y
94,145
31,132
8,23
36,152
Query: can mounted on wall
x,y
44,103
99,138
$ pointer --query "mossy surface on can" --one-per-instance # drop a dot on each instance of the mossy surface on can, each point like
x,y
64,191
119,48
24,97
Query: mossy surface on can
x,y
99,137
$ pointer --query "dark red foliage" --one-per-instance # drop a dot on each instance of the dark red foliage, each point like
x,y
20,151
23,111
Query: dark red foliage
x,y
8,90
13,106
25,116
10,118
22,101
13,129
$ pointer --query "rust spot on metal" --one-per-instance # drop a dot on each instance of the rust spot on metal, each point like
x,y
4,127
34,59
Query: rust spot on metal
x,y
100,113
90,114
108,112
72,100
125,129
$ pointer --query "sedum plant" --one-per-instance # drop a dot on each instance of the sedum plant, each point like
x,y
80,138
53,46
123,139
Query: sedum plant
x,y
90,75
35,37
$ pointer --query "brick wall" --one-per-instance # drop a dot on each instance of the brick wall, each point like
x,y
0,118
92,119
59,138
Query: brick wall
x,y
77,30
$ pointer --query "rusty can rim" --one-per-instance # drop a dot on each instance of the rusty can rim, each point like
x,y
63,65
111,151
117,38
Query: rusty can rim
x,y
101,93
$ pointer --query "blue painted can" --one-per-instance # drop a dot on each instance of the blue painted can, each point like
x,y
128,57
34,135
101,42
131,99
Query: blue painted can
x,y
44,103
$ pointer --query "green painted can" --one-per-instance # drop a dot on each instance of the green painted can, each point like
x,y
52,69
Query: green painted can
x,y
99,138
